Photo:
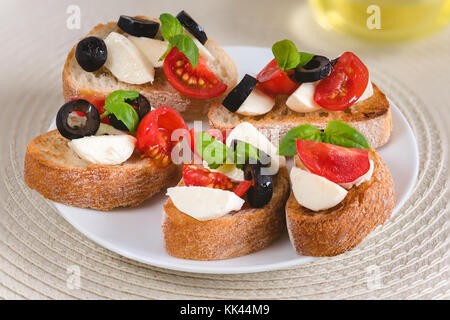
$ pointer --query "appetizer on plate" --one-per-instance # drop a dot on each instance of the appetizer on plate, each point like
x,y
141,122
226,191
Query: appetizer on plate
x,y
341,189
169,60
298,87
89,164
233,204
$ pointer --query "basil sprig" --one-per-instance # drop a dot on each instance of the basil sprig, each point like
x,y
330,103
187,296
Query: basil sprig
x,y
214,152
336,132
288,57
172,31
115,104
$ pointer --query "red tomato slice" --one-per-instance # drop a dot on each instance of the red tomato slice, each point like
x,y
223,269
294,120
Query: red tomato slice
x,y
195,176
242,188
345,84
154,133
275,81
99,103
335,163
200,83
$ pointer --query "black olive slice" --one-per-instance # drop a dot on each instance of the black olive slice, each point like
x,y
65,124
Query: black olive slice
x,y
193,27
89,128
237,96
143,107
264,158
261,192
91,53
319,67
138,27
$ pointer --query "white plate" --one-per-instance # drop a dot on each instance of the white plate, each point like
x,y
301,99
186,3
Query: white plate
x,y
135,233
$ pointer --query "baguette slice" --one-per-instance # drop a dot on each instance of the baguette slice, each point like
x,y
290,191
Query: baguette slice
x,y
57,173
79,83
236,234
333,231
371,117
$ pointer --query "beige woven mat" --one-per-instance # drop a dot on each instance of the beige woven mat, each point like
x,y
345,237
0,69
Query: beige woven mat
x,y
407,258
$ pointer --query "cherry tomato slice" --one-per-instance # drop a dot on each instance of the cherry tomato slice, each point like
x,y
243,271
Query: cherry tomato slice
x,y
99,103
335,163
345,84
275,81
195,176
242,188
155,130
200,83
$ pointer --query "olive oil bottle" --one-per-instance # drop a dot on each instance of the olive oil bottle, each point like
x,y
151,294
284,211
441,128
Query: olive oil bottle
x,y
383,19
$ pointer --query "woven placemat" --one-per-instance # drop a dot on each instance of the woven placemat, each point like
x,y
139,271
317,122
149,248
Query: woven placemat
x,y
41,254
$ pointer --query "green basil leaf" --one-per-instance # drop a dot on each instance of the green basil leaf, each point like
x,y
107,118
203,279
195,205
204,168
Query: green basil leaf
x,y
169,47
186,45
341,134
214,152
304,58
121,96
244,152
286,54
288,145
125,113
170,26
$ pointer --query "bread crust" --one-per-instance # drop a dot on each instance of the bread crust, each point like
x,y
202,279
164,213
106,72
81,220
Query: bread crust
x,y
234,235
333,231
52,169
160,92
372,117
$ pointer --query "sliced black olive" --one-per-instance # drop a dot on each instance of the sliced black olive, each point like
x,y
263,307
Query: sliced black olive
x,y
91,53
319,67
264,158
237,96
138,27
143,107
193,27
261,192
89,128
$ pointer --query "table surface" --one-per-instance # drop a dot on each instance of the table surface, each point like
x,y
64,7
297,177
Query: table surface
x,y
40,252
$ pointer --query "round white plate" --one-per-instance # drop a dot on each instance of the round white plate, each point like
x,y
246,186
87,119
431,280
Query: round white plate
x,y
135,232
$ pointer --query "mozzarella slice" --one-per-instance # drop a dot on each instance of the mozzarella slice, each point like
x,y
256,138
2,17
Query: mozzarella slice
x,y
153,49
315,192
204,203
201,48
106,129
246,132
302,100
365,177
228,169
256,103
109,150
126,62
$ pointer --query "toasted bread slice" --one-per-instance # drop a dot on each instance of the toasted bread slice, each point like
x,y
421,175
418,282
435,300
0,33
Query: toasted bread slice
x,y
371,117
236,234
56,172
333,231
79,83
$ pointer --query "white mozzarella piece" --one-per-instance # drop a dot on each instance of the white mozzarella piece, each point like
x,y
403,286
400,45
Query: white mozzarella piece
x,y
257,103
109,150
365,177
126,62
153,49
302,100
203,203
201,48
315,192
246,132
